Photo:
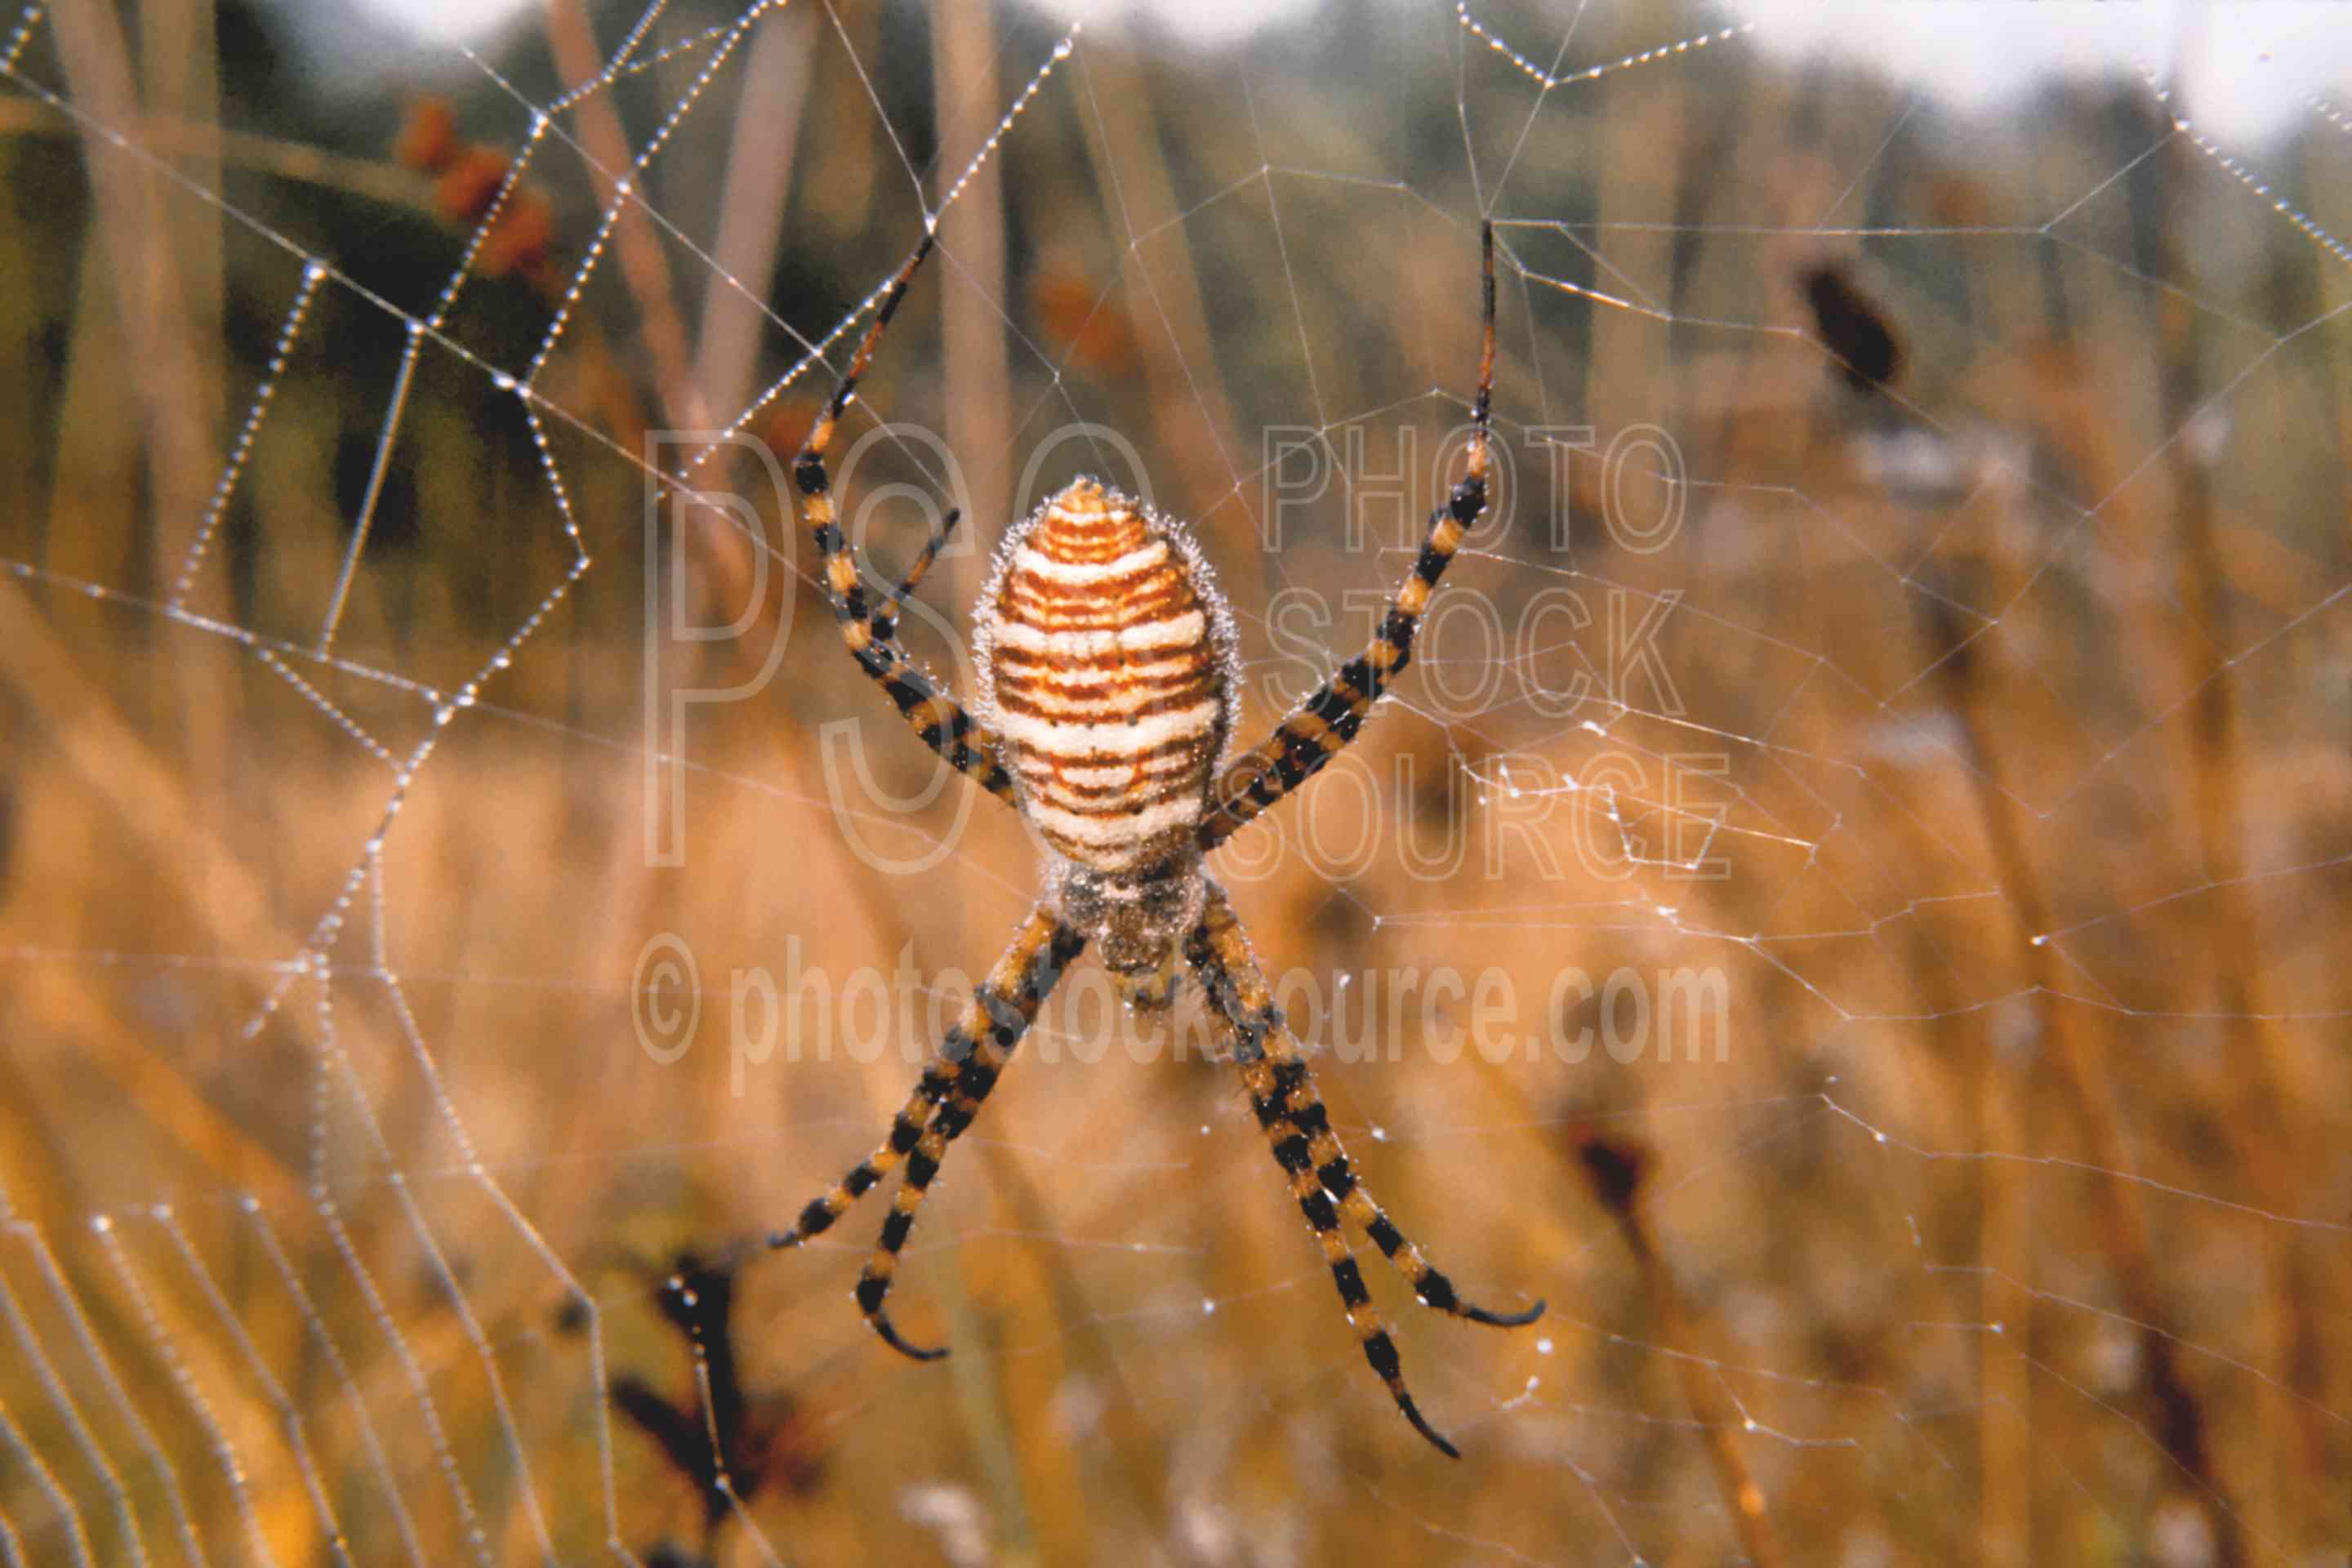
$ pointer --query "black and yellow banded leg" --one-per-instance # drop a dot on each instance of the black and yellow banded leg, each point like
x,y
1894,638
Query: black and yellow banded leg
x,y
1284,1098
1246,1001
938,1083
1001,1011
885,619
1371,1328
1324,724
870,631
906,1131
1293,1098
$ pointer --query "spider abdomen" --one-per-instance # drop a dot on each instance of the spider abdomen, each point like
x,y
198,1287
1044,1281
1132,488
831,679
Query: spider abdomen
x,y
1105,669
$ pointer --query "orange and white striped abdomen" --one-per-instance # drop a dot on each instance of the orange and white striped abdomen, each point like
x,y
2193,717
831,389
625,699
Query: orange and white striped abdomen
x,y
1107,675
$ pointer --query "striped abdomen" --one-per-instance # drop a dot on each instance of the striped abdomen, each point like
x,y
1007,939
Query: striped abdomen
x,y
1107,666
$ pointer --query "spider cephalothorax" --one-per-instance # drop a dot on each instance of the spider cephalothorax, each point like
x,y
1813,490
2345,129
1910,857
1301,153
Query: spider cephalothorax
x,y
1109,684
1108,676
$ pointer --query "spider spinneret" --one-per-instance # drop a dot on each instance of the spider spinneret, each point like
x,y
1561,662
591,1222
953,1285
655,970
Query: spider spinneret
x,y
1109,686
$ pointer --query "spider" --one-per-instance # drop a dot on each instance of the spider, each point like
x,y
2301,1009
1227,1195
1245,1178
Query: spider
x,y
1109,689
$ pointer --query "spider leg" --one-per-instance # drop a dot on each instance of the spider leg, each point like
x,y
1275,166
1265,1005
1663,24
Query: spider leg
x,y
1243,996
885,619
870,633
1290,1152
1001,1011
1323,724
1282,1093
906,1131
944,1103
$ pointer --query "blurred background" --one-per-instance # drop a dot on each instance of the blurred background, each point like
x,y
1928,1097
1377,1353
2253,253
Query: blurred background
x,y
1905,675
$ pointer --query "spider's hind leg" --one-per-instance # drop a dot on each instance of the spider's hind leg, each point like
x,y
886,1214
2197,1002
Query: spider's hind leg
x,y
944,1104
1282,1093
1297,1099
906,1131
1238,990
975,1053
1311,1155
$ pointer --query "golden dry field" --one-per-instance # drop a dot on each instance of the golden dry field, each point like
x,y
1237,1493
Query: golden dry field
x,y
1848,905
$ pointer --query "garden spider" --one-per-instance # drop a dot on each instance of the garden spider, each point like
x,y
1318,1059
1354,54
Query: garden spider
x,y
1109,688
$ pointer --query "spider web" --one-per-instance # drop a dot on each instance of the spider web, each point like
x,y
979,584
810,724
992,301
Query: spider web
x,y
1847,907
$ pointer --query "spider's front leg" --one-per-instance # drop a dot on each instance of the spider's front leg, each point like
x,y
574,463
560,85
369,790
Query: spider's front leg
x,y
1282,1093
870,632
944,1103
1328,719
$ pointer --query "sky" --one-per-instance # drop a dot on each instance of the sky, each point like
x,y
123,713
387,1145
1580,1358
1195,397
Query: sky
x,y
2248,67
2245,70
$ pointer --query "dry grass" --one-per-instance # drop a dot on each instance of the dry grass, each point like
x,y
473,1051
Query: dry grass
x,y
1977,1247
